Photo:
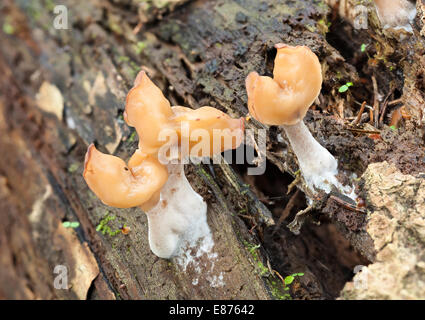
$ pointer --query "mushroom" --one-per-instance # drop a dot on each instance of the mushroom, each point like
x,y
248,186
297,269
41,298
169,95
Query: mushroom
x,y
176,213
149,122
124,186
285,100
396,14
209,131
148,111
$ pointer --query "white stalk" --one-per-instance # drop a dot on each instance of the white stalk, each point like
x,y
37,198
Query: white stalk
x,y
318,166
179,219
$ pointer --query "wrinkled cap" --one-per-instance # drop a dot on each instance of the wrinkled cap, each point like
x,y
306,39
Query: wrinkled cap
x,y
122,186
148,111
296,83
155,121
208,130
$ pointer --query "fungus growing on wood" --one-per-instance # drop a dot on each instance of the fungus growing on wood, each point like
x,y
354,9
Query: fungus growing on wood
x,y
122,186
176,213
209,131
285,100
148,111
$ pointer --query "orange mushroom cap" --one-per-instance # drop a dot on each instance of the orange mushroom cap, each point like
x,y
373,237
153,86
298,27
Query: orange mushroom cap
x,y
216,133
285,99
148,111
122,186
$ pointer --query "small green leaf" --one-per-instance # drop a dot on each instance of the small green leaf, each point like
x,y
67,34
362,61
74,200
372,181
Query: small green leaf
x,y
69,224
253,248
140,46
66,224
394,128
363,47
99,226
289,280
8,28
74,224
299,274
343,88
132,136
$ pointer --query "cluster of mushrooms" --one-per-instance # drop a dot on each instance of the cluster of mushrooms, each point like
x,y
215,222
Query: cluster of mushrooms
x,y
153,181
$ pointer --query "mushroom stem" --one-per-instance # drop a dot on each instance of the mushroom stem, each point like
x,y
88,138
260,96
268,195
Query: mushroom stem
x,y
179,219
317,164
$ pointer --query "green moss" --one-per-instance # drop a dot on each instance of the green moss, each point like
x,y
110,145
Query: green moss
x,y
310,28
132,136
277,289
73,167
50,6
8,28
277,294
33,11
160,4
123,59
104,228
134,70
252,249
140,46
206,174
323,26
